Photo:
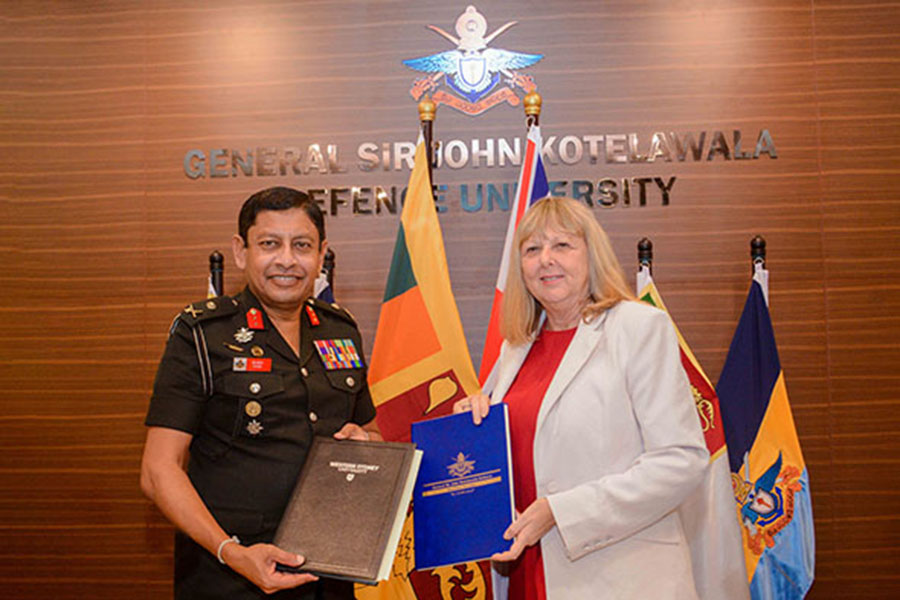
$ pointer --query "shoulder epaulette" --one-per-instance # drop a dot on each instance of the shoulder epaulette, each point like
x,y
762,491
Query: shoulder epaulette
x,y
333,308
211,308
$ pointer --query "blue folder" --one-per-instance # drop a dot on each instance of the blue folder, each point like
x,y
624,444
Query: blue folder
x,y
463,500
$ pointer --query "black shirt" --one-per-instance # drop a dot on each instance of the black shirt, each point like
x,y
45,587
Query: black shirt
x,y
228,378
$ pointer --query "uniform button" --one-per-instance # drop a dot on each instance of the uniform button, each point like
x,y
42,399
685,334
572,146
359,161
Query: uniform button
x,y
255,387
303,371
211,305
313,417
350,381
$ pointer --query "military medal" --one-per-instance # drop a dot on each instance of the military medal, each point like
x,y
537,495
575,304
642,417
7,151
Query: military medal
x,y
243,335
338,354
252,365
254,319
254,427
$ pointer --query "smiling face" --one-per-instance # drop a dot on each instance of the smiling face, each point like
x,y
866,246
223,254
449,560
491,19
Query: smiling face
x,y
555,272
282,258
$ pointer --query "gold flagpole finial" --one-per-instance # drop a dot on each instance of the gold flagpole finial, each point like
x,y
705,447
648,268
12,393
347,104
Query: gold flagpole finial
x,y
427,108
532,102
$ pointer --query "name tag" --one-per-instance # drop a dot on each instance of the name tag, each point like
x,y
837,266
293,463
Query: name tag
x,y
255,365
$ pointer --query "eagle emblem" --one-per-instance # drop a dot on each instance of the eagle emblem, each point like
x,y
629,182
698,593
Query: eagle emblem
x,y
766,505
473,70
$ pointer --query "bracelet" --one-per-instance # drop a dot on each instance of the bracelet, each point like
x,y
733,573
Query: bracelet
x,y
234,539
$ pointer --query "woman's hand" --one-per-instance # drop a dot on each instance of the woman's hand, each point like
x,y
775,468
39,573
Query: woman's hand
x,y
479,404
527,529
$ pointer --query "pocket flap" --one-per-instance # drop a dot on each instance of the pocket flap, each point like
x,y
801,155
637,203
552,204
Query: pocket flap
x,y
347,380
252,385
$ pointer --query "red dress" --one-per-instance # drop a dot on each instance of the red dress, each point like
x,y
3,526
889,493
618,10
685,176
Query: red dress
x,y
526,576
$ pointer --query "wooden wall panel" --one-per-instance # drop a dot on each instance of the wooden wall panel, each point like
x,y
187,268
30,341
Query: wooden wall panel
x,y
103,237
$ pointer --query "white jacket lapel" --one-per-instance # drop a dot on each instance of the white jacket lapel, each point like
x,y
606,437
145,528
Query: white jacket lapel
x,y
511,358
586,338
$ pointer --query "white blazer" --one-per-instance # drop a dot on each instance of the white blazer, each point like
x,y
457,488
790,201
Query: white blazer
x,y
617,448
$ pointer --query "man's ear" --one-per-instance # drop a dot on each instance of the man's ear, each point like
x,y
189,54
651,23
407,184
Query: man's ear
x,y
239,251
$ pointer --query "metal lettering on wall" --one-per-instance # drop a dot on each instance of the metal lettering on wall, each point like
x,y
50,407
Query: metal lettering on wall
x,y
602,190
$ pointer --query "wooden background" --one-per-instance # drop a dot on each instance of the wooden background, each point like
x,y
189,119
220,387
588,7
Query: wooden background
x,y
103,237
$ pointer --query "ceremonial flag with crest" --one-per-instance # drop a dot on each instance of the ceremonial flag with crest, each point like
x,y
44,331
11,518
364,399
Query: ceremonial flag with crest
x,y
532,186
771,483
420,366
708,515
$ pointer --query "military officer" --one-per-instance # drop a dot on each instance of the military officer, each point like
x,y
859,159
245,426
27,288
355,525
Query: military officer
x,y
244,384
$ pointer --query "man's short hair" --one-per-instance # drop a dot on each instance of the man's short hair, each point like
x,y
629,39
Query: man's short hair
x,y
279,198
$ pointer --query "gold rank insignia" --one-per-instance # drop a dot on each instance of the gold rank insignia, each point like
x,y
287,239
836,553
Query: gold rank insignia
x,y
189,309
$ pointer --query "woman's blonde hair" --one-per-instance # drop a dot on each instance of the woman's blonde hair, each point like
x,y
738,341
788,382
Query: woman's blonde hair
x,y
520,312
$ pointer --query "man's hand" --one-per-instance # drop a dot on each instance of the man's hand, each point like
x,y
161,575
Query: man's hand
x,y
527,529
352,431
257,563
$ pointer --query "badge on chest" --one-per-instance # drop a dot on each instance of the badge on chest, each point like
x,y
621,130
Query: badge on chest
x,y
338,354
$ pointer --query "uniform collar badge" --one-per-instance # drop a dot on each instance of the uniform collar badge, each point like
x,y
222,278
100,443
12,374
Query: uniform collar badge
x,y
255,319
313,317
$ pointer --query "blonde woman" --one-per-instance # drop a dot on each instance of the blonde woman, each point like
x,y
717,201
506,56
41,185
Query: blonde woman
x,y
606,441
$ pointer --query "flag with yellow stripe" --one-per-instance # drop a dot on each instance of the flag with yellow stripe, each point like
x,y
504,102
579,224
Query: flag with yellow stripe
x,y
420,365
770,479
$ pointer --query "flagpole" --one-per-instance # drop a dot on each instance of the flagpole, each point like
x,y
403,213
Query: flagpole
x,y
427,109
645,254
328,267
216,271
532,103
757,253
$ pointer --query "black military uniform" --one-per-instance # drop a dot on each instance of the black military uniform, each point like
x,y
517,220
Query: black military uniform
x,y
228,378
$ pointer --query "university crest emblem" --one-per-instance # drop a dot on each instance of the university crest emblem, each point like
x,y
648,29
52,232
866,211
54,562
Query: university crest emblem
x,y
477,76
766,506
461,466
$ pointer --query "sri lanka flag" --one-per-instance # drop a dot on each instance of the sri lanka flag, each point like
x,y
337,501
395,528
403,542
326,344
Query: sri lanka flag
x,y
532,186
710,525
420,365
771,483
420,360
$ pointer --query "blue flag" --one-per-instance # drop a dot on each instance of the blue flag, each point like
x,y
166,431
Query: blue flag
x,y
769,476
